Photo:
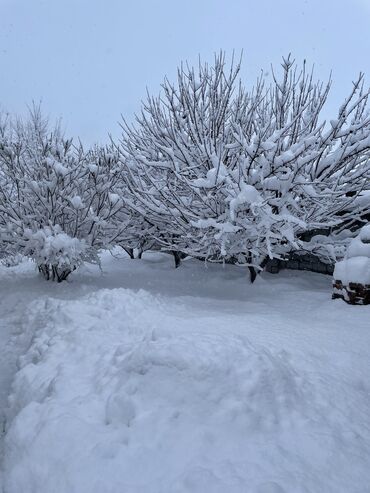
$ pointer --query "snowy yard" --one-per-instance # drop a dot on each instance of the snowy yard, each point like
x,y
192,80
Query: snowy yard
x,y
231,141
147,379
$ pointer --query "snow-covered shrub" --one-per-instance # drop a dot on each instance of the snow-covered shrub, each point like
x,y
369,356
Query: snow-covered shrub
x,y
227,174
55,253
123,224
173,159
57,202
11,260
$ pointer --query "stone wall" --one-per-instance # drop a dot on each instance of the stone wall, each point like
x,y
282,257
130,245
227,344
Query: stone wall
x,y
300,262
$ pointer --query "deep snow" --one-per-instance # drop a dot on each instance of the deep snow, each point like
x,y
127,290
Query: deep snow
x,y
156,380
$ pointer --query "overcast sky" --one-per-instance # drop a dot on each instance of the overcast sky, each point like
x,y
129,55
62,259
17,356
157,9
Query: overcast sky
x,y
91,60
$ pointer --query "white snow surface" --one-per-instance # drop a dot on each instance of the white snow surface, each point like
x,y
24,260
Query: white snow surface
x,y
358,248
355,269
147,379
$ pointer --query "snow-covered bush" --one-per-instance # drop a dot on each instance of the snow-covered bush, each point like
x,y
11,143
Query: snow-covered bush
x,y
227,174
55,253
171,159
208,170
57,202
124,226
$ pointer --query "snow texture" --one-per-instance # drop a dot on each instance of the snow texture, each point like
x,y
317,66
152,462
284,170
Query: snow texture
x,y
147,379
355,269
356,265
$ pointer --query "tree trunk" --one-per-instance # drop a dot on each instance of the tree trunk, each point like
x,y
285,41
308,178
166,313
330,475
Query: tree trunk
x,y
129,251
252,273
44,271
178,256
52,273
63,274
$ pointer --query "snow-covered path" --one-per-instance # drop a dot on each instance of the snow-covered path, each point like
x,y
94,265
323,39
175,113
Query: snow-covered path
x,y
150,379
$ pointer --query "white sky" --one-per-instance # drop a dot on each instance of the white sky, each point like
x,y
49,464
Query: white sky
x,y
91,60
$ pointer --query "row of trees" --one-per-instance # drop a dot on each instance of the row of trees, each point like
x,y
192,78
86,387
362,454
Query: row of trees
x,y
208,169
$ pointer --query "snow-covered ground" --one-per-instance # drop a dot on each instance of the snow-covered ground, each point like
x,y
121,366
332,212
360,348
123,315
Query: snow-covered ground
x,y
147,379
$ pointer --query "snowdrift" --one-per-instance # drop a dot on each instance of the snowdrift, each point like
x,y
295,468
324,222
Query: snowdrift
x,y
117,393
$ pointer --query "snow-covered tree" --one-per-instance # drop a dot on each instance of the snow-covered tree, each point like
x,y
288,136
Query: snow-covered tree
x,y
220,173
56,201
179,137
311,174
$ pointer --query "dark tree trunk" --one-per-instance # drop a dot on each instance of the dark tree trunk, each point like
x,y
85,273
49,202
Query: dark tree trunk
x,y
62,275
264,262
178,256
44,271
252,273
52,273
130,252
252,270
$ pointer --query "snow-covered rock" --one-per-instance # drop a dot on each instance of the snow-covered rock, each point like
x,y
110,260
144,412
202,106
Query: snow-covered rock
x,y
355,267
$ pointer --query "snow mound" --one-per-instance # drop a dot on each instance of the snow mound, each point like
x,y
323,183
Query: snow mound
x,y
210,379
356,265
365,234
355,269
358,247
115,395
